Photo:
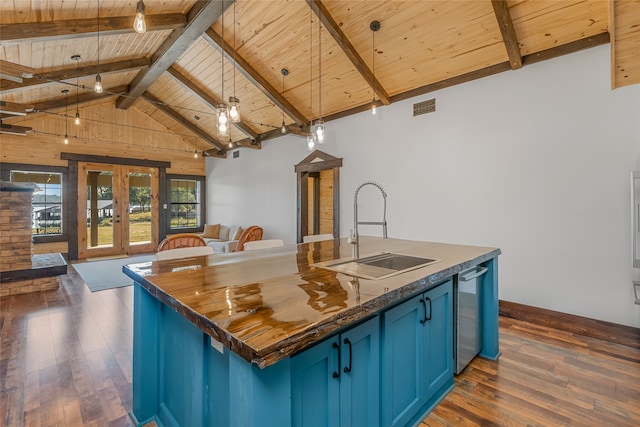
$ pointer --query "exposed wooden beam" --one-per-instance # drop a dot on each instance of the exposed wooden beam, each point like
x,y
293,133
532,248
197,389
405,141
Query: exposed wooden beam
x,y
53,104
554,52
76,28
14,72
201,16
501,10
208,99
338,35
51,77
182,120
276,133
254,77
14,130
214,152
14,109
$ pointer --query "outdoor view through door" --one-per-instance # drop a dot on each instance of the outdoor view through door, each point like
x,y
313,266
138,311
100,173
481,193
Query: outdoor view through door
x,y
117,209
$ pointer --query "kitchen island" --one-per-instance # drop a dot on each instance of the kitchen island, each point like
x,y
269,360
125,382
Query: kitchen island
x,y
266,338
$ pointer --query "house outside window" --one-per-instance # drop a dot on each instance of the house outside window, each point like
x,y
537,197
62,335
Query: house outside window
x,y
185,198
47,212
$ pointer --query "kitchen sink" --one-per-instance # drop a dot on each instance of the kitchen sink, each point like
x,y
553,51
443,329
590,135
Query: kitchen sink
x,y
379,266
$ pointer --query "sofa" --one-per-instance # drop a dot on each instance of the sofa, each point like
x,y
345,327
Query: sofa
x,y
222,238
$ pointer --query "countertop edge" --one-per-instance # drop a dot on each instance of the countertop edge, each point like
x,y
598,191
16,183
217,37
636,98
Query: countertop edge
x,y
314,334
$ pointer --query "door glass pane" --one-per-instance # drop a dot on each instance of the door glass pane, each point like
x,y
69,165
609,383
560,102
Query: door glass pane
x,y
99,209
139,208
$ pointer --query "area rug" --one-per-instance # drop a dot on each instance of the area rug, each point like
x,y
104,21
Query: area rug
x,y
107,274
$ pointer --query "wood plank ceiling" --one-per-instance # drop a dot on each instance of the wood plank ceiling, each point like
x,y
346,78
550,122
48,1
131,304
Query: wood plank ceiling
x,y
174,71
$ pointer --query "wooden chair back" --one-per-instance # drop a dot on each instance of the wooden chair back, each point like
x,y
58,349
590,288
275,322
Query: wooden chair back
x,y
251,234
183,240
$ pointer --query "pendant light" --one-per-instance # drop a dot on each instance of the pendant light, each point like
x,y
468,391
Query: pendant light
x,y
222,112
318,134
77,59
284,72
234,103
139,25
98,85
195,144
66,115
374,26
310,139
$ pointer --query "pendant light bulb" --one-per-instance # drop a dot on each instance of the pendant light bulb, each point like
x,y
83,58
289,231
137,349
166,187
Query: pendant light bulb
x,y
77,118
234,109
319,131
310,143
98,86
195,154
139,24
373,107
66,139
230,144
283,129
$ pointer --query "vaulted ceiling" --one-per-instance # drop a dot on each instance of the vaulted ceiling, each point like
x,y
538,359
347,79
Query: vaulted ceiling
x,y
336,64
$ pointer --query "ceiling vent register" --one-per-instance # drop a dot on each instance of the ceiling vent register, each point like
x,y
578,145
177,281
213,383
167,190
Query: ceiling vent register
x,y
424,107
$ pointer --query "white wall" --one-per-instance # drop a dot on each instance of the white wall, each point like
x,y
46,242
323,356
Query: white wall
x,y
534,161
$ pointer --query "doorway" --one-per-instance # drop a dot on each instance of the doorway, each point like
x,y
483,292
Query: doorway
x,y
318,196
117,209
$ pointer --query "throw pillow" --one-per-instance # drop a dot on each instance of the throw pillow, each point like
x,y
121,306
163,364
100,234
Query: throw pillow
x,y
239,232
211,231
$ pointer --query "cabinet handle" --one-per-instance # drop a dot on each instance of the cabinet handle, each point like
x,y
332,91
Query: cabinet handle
x,y
336,374
430,310
424,306
347,369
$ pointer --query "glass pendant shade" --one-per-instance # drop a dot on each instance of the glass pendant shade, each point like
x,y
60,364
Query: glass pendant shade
x,y
139,24
234,109
77,117
283,129
310,143
223,120
319,132
98,86
373,107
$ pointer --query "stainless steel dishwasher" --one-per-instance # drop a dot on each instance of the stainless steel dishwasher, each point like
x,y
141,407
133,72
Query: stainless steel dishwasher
x,y
468,316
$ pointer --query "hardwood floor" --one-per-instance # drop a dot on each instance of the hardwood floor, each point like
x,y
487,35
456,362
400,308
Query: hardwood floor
x,y
65,360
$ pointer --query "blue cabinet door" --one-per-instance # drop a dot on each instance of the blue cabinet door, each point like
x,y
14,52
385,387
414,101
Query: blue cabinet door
x,y
402,362
438,338
360,376
315,393
337,382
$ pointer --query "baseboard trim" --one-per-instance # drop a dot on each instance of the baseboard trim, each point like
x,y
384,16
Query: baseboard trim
x,y
607,331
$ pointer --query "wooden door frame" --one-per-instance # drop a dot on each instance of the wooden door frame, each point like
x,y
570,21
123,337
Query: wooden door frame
x,y
315,162
71,204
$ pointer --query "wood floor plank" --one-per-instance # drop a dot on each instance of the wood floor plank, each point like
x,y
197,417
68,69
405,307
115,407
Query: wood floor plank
x,y
65,360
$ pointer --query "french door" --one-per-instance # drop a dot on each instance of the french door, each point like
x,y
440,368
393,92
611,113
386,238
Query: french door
x,y
117,209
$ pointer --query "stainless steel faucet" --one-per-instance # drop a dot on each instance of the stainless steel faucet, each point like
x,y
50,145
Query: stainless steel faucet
x,y
354,236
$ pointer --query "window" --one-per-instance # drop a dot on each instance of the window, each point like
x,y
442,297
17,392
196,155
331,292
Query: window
x,y
185,198
46,214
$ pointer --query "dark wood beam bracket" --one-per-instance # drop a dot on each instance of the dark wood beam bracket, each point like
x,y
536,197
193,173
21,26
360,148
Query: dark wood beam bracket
x,y
209,100
52,77
77,28
254,77
341,39
501,10
201,16
114,160
183,121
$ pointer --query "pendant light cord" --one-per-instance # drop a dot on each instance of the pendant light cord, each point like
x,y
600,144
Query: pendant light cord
x,y
319,68
234,48
222,52
311,62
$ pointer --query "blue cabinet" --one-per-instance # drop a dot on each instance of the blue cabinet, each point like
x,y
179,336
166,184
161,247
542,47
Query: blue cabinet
x,y
337,382
417,355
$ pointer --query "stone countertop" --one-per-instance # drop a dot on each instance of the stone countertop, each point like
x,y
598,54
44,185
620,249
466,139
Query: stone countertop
x,y
266,305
